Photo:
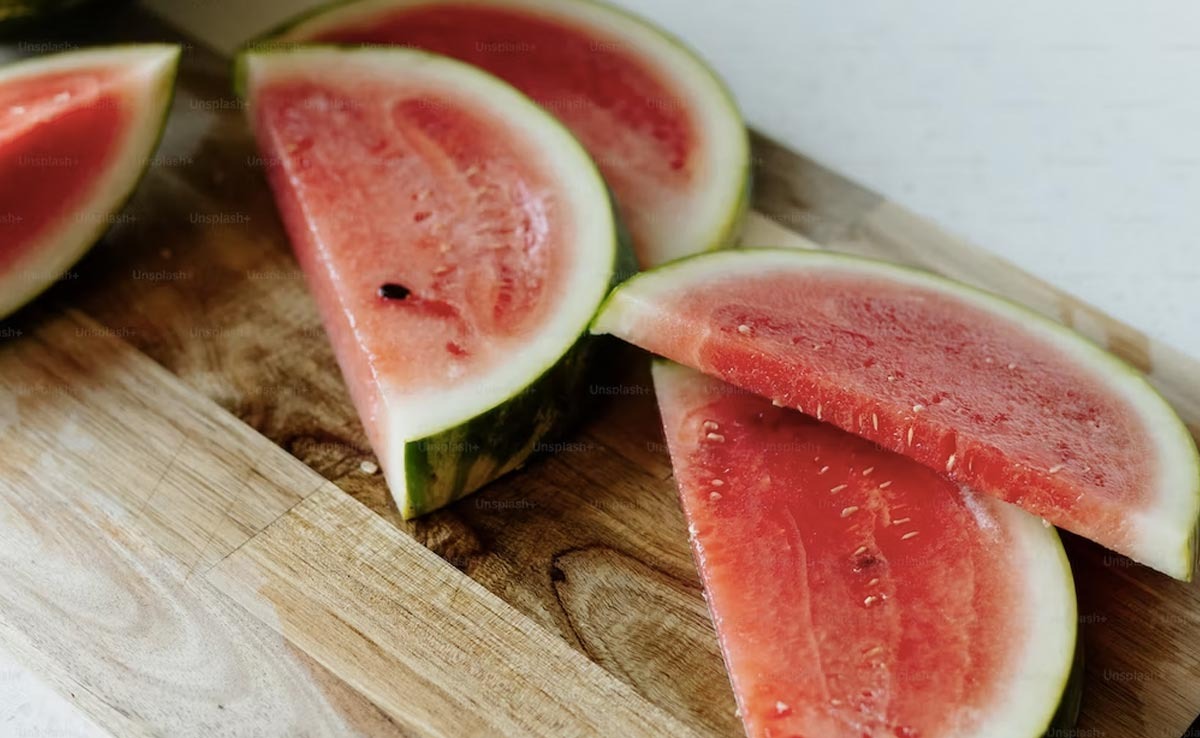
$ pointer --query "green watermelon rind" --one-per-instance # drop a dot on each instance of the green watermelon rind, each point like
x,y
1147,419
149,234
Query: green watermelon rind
x,y
1067,714
164,95
439,468
447,464
1178,559
725,231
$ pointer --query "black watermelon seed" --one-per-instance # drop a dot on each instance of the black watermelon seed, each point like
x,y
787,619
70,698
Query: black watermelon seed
x,y
393,291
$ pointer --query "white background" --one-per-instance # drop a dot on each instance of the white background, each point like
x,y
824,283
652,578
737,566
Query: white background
x,y
1064,136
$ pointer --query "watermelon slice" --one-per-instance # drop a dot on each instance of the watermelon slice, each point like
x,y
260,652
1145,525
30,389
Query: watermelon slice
x,y
972,386
662,128
857,593
457,240
76,133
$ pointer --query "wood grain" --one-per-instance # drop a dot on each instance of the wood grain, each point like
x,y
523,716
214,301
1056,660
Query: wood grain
x,y
395,621
587,542
137,516
97,592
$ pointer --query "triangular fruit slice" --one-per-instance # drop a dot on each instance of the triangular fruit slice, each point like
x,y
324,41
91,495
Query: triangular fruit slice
x,y
77,130
661,127
457,240
857,593
975,387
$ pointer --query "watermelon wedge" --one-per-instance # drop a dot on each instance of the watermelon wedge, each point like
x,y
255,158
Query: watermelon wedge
x,y
662,128
975,387
76,133
858,593
457,240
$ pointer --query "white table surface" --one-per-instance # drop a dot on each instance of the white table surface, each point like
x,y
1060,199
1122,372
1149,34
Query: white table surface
x,y
1064,136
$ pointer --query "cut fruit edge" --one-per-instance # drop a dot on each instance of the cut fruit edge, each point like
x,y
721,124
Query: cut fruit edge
x,y
1166,530
151,70
1047,680
715,216
530,385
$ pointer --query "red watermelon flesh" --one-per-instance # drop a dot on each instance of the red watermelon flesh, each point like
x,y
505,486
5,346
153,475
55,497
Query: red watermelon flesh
x,y
57,134
856,592
76,131
969,385
659,126
458,198
457,241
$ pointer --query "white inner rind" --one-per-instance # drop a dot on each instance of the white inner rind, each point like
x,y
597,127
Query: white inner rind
x,y
147,79
593,241
1163,529
1043,662
707,215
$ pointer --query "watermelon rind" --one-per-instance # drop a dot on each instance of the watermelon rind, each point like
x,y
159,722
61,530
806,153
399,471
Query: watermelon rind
x,y
450,464
1042,695
57,251
714,219
442,446
1165,532
1067,714
1046,696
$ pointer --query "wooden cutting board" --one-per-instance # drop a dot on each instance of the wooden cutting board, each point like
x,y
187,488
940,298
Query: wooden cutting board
x,y
193,539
